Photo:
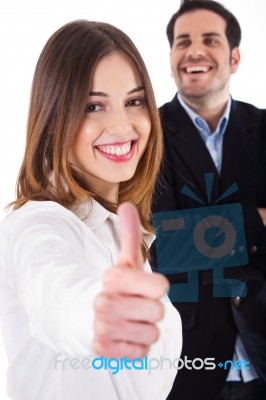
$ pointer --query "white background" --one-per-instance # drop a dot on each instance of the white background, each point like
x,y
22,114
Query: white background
x,y
25,26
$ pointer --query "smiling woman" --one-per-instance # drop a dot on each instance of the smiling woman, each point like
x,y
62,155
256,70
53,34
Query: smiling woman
x,y
74,275
115,132
86,107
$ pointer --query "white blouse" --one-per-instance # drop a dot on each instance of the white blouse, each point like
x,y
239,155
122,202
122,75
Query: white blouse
x,y
51,264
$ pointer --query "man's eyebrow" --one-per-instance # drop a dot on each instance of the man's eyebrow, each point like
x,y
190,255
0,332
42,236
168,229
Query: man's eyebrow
x,y
103,94
182,36
211,34
187,35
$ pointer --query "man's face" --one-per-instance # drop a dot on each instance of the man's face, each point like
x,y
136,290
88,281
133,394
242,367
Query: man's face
x,y
201,60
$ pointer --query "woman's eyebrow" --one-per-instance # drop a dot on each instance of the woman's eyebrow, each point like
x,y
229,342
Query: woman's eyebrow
x,y
137,89
103,94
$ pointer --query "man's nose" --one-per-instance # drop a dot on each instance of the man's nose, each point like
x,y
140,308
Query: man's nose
x,y
196,50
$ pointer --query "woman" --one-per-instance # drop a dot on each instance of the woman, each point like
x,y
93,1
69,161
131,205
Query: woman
x,y
75,286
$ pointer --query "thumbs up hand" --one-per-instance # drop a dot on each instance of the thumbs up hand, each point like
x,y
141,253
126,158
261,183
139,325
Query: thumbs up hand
x,y
128,308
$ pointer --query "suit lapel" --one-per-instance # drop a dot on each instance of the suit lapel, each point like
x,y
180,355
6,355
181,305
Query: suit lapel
x,y
236,145
185,141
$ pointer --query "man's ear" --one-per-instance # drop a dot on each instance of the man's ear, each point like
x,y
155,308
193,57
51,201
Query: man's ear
x,y
170,59
235,59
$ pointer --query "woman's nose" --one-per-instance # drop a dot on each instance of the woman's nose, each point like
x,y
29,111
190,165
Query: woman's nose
x,y
118,122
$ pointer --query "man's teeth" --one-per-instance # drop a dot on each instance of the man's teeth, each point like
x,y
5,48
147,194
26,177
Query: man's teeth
x,y
197,69
116,150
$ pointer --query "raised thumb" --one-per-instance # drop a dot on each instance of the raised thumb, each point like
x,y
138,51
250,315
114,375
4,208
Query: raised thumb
x,y
130,236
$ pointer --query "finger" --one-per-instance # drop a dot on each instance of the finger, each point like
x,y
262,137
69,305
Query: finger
x,y
135,282
127,331
130,236
118,349
114,308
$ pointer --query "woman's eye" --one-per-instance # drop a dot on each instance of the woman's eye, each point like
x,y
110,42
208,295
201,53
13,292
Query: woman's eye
x,y
135,102
94,107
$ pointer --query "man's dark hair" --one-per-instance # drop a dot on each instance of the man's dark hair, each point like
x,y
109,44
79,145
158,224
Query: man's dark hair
x,y
232,31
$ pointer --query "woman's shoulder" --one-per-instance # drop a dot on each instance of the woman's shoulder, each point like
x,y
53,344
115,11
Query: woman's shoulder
x,y
33,209
38,216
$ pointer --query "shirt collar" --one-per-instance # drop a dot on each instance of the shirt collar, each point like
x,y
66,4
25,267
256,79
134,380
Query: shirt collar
x,y
93,214
200,123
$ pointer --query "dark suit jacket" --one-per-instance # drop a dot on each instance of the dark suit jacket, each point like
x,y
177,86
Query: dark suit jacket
x,y
210,325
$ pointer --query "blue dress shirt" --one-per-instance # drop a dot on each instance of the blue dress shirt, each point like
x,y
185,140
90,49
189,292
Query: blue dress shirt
x,y
212,140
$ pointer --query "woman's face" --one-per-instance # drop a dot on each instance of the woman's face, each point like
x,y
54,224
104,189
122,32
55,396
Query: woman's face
x,y
116,127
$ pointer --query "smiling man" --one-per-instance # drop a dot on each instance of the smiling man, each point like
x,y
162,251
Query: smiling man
x,y
207,133
202,62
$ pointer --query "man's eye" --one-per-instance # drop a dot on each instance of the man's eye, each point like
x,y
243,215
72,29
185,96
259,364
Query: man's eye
x,y
183,44
135,102
93,107
210,41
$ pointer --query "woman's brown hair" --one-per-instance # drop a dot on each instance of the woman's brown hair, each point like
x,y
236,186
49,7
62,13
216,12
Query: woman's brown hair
x,y
60,88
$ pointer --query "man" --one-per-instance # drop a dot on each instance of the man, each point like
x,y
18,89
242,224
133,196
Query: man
x,y
215,155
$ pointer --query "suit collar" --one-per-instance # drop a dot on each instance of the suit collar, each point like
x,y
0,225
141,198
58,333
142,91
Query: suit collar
x,y
193,151
237,142
173,114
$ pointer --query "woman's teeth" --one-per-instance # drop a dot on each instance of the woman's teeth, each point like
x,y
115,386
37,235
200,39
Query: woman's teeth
x,y
116,150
